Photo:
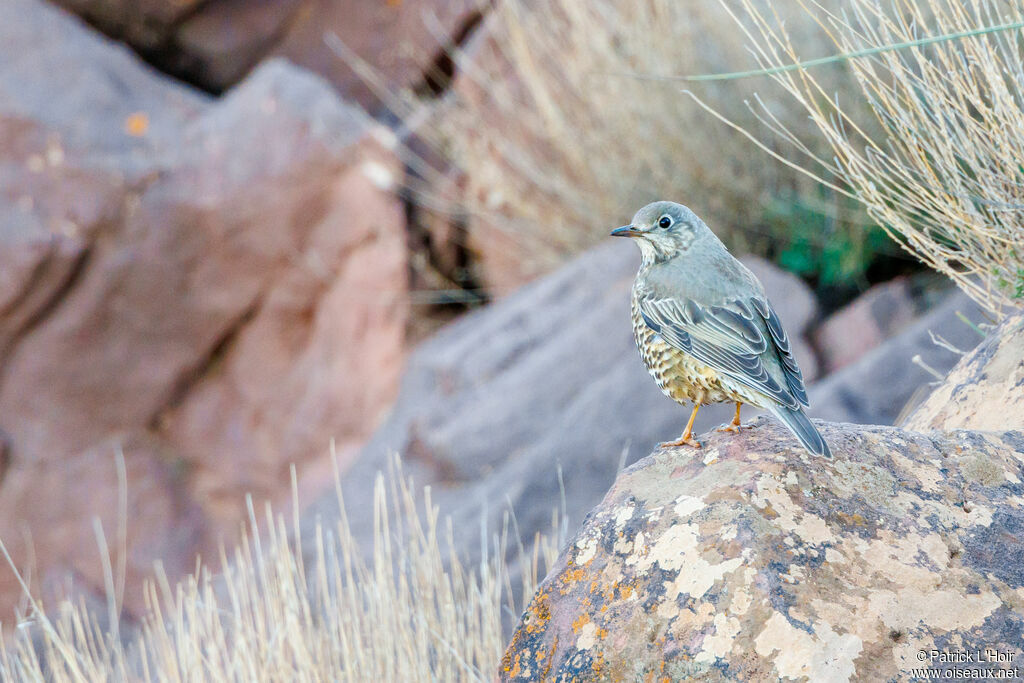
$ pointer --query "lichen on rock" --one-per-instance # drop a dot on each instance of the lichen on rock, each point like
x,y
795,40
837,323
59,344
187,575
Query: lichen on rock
x,y
983,391
750,560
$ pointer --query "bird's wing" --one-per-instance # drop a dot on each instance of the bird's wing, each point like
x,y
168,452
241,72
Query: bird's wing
x,y
742,338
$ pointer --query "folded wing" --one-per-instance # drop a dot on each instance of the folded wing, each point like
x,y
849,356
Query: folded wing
x,y
742,339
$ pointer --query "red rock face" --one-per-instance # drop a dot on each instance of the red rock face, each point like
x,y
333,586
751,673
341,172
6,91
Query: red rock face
x,y
865,323
216,290
215,43
399,39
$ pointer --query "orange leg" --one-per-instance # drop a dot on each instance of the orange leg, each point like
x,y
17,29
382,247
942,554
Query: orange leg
x,y
733,426
687,438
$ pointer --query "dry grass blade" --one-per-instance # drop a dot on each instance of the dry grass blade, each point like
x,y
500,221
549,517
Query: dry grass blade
x,y
944,174
558,143
411,612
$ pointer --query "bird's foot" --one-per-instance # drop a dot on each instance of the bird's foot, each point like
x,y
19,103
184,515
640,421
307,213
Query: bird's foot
x,y
731,427
681,441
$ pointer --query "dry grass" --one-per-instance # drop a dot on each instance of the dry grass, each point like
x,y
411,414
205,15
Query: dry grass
x,y
942,165
560,139
414,612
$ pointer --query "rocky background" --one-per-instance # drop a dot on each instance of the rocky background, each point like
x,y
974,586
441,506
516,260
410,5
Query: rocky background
x,y
211,264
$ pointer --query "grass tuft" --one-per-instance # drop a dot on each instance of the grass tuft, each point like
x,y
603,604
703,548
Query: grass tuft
x,y
410,612
939,163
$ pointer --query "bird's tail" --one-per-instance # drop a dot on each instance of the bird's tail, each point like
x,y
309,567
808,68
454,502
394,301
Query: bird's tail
x,y
803,430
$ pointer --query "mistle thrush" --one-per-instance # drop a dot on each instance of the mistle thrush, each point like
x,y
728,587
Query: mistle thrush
x,y
704,327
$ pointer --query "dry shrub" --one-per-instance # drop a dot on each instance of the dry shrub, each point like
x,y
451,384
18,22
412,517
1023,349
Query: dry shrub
x,y
941,163
560,140
414,612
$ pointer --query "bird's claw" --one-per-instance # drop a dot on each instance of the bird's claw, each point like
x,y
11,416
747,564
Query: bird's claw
x,y
731,427
688,441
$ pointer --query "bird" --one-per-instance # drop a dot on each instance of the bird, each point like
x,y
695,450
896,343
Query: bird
x,y
705,328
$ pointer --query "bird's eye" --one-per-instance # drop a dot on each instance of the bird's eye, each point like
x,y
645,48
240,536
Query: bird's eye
x,y
665,222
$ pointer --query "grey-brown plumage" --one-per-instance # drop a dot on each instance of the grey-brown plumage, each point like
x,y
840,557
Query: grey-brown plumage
x,y
705,328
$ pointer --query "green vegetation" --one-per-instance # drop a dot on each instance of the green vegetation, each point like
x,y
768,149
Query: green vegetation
x,y
828,251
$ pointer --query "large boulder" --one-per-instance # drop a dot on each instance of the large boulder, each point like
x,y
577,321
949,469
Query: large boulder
x,y
984,390
215,43
752,560
215,289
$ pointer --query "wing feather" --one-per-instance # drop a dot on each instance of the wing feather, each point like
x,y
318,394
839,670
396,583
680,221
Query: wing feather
x,y
743,339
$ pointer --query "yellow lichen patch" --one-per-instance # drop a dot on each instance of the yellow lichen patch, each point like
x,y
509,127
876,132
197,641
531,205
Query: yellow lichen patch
x,y
580,622
598,664
609,592
538,614
515,669
569,578
850,520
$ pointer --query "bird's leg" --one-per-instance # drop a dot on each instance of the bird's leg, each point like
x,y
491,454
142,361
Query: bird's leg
x,y
735,425
687,438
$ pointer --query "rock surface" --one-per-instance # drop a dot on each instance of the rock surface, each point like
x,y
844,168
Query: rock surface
x,y
753,561
886,382
984,390
215,43
403,40
216,289
866,322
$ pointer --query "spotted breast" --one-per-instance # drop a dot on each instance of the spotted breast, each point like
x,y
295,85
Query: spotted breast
x,y
681,377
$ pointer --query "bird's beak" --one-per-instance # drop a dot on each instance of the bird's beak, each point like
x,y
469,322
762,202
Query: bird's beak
x,y
625,231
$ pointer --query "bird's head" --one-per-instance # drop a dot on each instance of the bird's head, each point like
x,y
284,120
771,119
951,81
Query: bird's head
x,y
663,230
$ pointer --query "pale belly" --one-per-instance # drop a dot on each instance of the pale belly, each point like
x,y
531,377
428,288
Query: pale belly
x,y
681,377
